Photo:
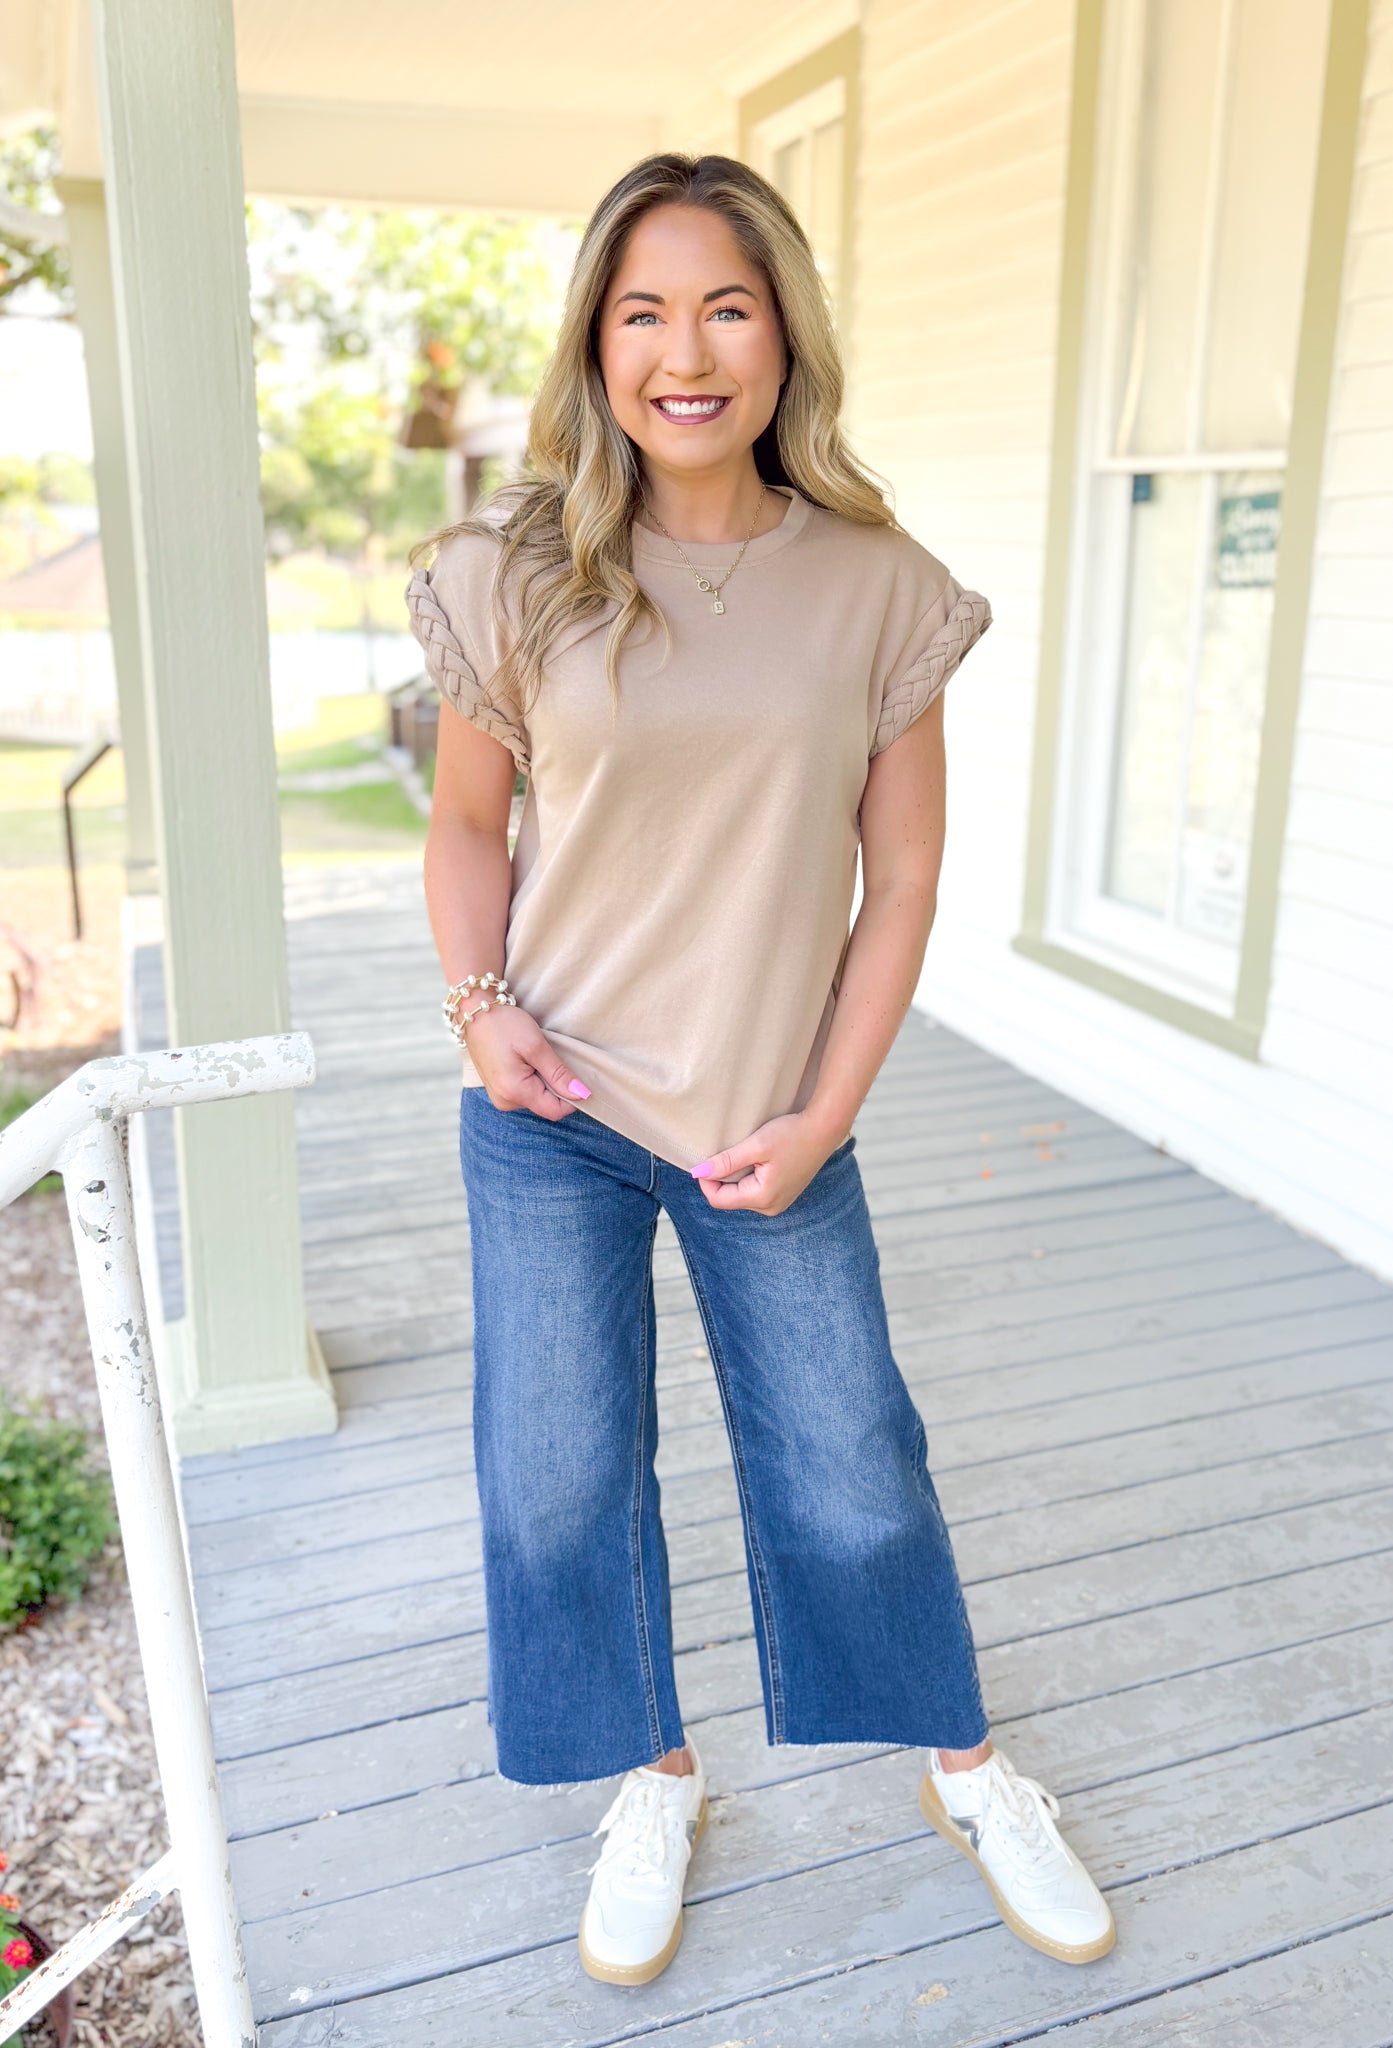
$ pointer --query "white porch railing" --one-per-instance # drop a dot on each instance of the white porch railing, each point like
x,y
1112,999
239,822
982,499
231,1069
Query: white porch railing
x,y
78,1129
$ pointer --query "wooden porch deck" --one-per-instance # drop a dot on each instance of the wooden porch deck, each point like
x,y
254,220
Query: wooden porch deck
x,y
1161,1425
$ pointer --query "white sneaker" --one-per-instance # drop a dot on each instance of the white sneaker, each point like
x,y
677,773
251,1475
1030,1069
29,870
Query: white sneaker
x,y
632,1922
1006,1823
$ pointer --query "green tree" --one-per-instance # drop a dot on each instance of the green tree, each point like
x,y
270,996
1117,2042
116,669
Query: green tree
x,y
30,492
338,285
327,470
334,477
20,483
34,276
351,312
66,480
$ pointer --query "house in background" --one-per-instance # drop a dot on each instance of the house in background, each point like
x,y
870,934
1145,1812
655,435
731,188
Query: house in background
x,y
1115,279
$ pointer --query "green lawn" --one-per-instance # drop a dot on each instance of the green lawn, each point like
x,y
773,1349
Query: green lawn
x,y
376,817
15,1098
346,729
309,587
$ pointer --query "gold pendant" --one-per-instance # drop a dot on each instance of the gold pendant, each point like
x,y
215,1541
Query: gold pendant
x,y
718,606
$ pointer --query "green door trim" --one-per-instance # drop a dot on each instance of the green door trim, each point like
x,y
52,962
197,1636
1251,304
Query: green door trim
x,y
1240,1032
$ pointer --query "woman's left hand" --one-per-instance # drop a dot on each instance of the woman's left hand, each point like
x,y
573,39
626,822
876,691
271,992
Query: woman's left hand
x,y
777,1161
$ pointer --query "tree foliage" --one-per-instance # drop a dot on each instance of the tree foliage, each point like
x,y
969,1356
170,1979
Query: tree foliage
x,y
351,311
348,285
34,276
333,476
35,494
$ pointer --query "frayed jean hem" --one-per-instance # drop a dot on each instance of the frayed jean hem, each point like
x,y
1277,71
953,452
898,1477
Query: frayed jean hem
x,y
562,1785
882,1747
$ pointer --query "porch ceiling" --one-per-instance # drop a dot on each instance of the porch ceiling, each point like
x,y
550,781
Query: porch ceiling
x,y
537,106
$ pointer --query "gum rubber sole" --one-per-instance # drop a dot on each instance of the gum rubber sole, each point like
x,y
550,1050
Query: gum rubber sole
x,y
642,1973
936,1814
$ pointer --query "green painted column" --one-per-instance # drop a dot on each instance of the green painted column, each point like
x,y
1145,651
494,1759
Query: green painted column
x,y
84,206
243,1367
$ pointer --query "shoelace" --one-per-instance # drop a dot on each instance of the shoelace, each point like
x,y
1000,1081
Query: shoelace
x,y
637,1826
1027,1801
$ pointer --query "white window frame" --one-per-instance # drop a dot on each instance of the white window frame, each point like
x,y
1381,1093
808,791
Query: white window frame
x,y
1080,915
798,121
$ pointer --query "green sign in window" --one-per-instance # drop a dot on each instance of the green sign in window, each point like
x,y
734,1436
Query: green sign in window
x,y
1248,529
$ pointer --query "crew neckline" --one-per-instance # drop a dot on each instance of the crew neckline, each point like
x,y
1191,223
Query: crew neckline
x,y
656,548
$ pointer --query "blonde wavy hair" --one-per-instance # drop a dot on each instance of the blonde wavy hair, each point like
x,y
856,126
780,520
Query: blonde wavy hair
x,y
565,523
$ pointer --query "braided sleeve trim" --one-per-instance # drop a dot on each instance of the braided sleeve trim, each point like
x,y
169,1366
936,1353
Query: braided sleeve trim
x,y
453,674
914,691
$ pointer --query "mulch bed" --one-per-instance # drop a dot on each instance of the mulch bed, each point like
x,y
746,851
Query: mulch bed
x,y
81,1814
79,1790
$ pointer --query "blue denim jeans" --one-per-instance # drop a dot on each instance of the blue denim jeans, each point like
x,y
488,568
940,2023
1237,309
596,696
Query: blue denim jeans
x,y
859,1619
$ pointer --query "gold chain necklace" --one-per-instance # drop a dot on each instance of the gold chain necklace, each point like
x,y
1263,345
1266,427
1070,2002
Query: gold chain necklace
x,y
704,582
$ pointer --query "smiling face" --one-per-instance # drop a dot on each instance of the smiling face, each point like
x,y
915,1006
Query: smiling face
x,y
690,344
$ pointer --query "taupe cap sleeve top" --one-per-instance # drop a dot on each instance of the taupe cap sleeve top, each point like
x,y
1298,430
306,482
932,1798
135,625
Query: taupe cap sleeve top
x,y
683,878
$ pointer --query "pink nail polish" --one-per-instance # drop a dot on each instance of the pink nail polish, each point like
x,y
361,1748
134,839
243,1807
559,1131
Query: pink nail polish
x,y
579,1088
701,1172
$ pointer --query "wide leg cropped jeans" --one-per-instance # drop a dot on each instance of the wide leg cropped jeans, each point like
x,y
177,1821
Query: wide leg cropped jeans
x,y
859,1618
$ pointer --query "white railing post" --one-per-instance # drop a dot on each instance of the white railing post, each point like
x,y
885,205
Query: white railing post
x,y
77,1128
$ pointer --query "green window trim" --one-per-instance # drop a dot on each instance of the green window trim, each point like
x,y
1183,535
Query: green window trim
x,y
839,58
1241,1031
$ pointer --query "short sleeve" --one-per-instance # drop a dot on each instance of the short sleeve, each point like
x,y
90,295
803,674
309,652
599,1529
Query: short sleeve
x,y
953,623
447,609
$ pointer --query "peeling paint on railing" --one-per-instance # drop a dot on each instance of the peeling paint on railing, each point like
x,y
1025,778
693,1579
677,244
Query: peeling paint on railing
x,y
77,1130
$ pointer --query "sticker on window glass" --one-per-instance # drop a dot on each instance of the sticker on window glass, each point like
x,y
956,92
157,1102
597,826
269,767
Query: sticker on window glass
x,y
1248,529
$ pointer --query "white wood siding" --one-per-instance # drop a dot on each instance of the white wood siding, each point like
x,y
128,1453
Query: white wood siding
x,y
959,222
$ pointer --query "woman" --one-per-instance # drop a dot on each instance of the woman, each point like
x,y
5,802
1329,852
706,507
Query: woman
x,y
697,627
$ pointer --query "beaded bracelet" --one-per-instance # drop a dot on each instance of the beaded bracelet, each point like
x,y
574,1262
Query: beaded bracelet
x,y
457,1022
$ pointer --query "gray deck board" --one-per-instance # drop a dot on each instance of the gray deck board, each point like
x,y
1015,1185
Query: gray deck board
x,y
1151,1451
1206,1640
470,1823
693,1442
831,1822
1160,1424
232,1488
308,1637
448,1665
851,1948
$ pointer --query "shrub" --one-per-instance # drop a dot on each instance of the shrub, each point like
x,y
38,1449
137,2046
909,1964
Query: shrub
x,y
56,1513
16,1956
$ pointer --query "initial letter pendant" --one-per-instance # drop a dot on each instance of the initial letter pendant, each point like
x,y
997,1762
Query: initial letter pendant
x,y
718,606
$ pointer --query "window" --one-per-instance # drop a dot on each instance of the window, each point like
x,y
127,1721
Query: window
x,y
799,131
801,151
1208,138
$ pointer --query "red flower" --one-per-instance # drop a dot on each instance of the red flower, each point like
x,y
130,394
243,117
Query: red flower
x,y
4,1860
8,1903
18,1954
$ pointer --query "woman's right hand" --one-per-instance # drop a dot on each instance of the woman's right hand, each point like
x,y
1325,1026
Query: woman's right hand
x,y
517,1066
